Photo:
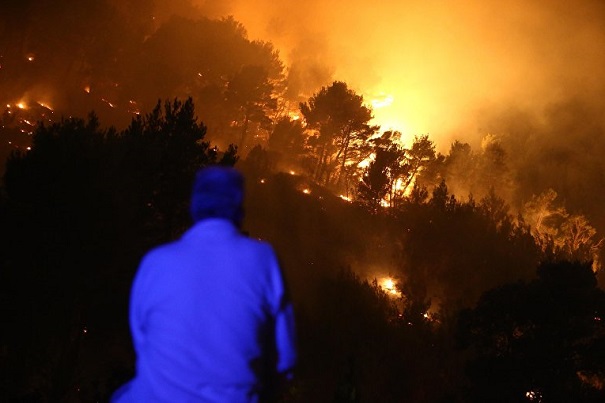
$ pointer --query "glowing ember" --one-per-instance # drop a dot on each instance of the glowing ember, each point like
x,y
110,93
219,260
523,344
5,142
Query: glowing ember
x,y
21,105
292,173
133,107
307,191
87,89
45,105
30,58
533,396
108,103
345,198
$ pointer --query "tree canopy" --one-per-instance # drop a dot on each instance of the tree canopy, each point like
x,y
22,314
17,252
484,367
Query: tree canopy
x,y
340,123
541,340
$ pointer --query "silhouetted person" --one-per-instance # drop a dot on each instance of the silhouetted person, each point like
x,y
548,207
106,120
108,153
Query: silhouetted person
x,y
209,315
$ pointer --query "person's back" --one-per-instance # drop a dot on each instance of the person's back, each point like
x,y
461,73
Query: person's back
x,y
209,318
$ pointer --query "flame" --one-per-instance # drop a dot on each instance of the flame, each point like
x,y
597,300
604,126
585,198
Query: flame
x,y
389,286
108,103
87,89
45,105
22,105
345,198
307,191
366,163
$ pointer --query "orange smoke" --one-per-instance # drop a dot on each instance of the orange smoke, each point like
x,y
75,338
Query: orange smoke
x,y
436,61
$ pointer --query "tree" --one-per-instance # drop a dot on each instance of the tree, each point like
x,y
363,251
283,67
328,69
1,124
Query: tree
x,y
460,167
417,159
235,81
444,240
569,236
379,177
287,141
537,340
250,94
340,123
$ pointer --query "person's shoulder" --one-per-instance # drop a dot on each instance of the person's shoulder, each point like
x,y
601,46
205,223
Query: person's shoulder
x,y
161,252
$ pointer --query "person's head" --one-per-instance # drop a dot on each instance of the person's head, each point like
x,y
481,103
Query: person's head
x,y
218,192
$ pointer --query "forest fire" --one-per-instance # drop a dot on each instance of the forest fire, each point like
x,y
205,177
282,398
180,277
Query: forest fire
x,y
410,177
389,286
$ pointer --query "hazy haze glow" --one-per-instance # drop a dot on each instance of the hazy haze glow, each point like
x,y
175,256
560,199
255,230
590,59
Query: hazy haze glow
x,y
438,61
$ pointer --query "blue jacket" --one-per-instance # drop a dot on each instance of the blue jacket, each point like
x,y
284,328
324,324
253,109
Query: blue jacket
x,y
210,319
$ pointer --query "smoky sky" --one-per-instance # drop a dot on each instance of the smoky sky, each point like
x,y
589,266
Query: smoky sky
x,y
441,62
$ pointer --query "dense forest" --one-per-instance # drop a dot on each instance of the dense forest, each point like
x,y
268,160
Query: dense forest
x,y
416,275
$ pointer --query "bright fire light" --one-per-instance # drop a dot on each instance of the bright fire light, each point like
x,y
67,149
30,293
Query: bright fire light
x,y
382,101
21,105
307,191
388,285
45,105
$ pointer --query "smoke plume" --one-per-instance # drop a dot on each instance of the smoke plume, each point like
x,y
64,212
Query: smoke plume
x,y
437,62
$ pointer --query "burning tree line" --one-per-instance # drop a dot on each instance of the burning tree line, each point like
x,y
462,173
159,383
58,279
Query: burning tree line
x,y
85,203
117,58
245,96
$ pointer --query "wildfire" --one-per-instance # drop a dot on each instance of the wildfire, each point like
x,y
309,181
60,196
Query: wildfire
x,y
389,286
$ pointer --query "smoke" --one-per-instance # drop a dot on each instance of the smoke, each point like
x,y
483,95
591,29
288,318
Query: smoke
x,y
439,61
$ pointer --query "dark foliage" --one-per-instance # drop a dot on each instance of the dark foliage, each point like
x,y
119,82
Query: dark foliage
x,y
538,341
80,209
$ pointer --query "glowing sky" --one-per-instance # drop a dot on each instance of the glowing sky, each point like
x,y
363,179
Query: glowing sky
x,y
438,62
